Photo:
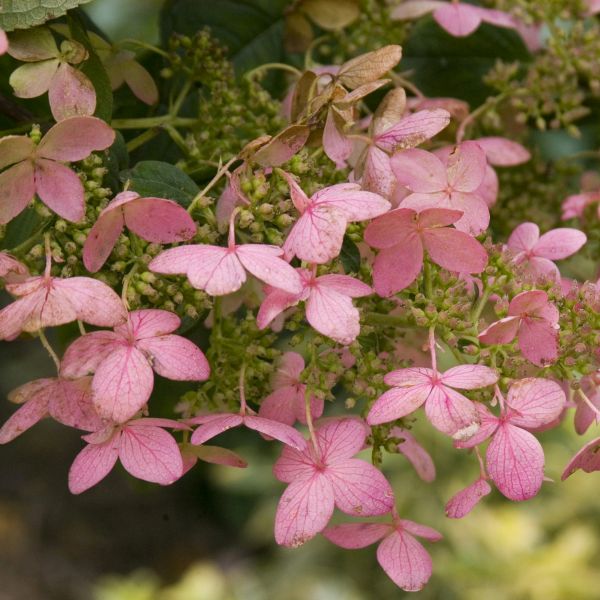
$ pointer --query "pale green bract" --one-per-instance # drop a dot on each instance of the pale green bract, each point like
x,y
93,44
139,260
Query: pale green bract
x,y
22,14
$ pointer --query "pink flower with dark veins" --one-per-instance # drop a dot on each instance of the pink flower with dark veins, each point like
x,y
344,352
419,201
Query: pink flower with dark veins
x,y
324,476
122,361
39,170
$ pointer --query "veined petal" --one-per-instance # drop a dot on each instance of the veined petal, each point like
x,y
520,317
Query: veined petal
x,y
397,403
60,189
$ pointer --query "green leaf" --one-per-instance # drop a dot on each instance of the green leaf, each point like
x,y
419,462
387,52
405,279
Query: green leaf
x,y
23,228
350,256
443,65
117,160
22,14
251,29
161,180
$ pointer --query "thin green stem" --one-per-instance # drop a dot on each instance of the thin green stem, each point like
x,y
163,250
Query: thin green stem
x,y
309,421
271,67
242,387
141,139
31,241
144,45
211,184
126,281
181,97
472,117
372,318
480,305
427,279
148,122
49,349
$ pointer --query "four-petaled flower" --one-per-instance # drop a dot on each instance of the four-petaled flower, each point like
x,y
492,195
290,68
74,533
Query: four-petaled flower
x,y
39,170
122,361
326,476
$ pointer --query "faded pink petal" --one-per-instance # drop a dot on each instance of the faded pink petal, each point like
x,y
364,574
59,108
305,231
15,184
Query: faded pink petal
x,y
418,457
450,412
409,377
274,304
503,331
3,42
466,167
515,462
11,269
503,152
488,190
353,536
85,354
377,175
395,227
71,93
292,465
25,417
93,464
420,171
101,240
469,377
71,404
210,454
150,453
455,250
340,439
459,20
336,145
463,502
17,188
560,243
524,237
530,302
274,429
538,341
217,424
476,214
534,402
419,530
397,403
34,79
14,149
413,9
60,189
140,82
289,370
587,459
397,267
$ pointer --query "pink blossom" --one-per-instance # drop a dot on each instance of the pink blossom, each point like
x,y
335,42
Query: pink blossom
x,y
593,6
400,555
146,451
502,152
318,234
514,457
584,414
324,476
286,403
418,457
39,170
459,19
122,361
220,271
534,320
153,219
11,269
68,402
587,459
402,235
575,205
47,301
49,69
463,502
448,411
328,300
215,455
537,253
453,185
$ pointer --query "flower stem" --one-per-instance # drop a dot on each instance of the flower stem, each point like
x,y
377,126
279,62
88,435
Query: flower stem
x,y
480,305
211,184
432,349
126,281
271,67
148,122
309,421
242,385
49,349
590,404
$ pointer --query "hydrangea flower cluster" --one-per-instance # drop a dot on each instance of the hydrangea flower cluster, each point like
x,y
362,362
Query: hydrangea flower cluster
x,y
306,258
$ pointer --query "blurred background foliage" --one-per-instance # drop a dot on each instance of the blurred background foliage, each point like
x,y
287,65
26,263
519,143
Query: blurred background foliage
x,y
209,537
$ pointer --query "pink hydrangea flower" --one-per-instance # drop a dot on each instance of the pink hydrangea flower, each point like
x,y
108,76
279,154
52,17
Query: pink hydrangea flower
x,y
144,448
464,501
49,69
538,253
122,361
318,234
39,170
324,476
453,185
329,307
448,411
220,271
418,457
587,459
11,269
66,401
459,19
286,403
502,152
402,236
399,554
153,219
585,415
47,301
534,320
574,206
514,457
215,455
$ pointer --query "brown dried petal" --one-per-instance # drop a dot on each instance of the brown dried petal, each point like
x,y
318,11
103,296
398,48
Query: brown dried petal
x,y
283,146
369,67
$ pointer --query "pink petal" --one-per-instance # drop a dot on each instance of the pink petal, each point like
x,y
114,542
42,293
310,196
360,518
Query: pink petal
x,y
395,227
122,384
32,45
413,9
214,455
534,402
60,189
451,413
501,332
17,188
515,462
102,239
336,145
22,315
409,377
280,405
93,464
158,220
377,175
303,510
488,190
469,377
297,195
438,217
459,20
72,405
542,268
274,429
75,139
418,457
264,263
273,305
587,459
33,80
397,267
71,94
85,354
359,488
455,250
3,42
420,202
14,149
218,424
524,237
502,152
413,130
487,427
26,416
353,536
355,204
149,323
140,82
176,358
340,439
292,465
419,530
462,503
344,284
397,403
289,369
151,454
538,341
419,171
528,302
497,18
560,243
476,214
405,561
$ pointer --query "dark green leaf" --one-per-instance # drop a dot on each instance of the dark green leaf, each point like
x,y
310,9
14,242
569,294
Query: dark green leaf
x,y
22,14
443,65
350,256
117,160
22,228
161,180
